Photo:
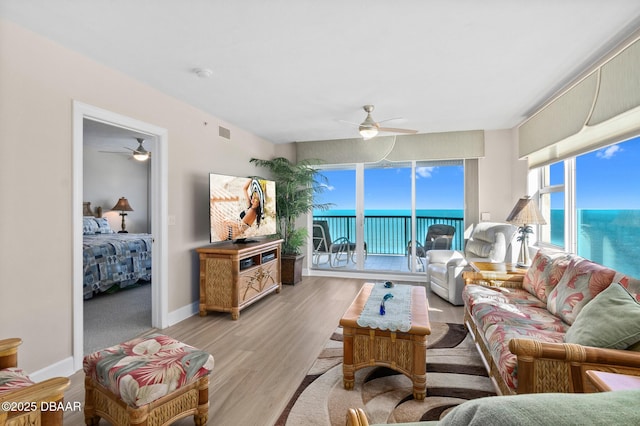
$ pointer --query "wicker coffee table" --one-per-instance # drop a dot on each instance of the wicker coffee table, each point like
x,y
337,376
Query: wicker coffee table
x,y
405,352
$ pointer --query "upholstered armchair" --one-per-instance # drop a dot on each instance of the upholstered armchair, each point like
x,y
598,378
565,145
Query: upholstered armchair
x,y
29,403
489,242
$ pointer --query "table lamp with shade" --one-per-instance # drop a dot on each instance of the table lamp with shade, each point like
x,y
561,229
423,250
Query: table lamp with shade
x,y
524,214
123,206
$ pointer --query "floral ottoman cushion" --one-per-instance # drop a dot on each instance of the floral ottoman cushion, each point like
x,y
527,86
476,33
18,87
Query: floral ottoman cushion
x,y
12,379
145,369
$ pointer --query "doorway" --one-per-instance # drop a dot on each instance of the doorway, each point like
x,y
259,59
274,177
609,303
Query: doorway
x,y
157,208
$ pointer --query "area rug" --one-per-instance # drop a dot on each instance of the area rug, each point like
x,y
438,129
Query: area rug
x,y
455,373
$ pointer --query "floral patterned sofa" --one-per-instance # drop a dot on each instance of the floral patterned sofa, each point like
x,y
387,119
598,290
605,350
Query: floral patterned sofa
x,y
566,315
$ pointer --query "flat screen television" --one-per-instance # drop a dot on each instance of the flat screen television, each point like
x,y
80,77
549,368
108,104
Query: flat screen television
x,y
241,208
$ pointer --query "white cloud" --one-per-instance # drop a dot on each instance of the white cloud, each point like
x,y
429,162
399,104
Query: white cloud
x,y
609,152
327,186
424,172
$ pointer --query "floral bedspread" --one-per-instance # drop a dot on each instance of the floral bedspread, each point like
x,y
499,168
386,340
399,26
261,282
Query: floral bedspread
x,y
115,259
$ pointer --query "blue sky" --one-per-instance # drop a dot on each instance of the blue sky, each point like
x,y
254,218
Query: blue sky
x,y
608,178
390,188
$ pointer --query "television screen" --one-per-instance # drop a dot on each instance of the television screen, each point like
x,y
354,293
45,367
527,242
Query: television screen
x,y
241,208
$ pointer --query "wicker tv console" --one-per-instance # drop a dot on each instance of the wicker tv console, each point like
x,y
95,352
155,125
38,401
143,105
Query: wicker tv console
x,y
233,276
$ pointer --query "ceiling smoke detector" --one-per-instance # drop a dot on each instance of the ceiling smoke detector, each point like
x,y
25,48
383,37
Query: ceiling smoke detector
x,y
203,72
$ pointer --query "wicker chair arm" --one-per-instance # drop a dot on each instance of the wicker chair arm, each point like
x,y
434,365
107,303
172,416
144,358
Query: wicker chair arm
x,y
542,365
356,417
46,391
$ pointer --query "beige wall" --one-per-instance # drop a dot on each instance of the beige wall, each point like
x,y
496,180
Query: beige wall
x,y
502,178
39,80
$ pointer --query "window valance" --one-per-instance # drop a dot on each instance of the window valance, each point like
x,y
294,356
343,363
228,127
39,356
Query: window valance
x,y
600,109
427,146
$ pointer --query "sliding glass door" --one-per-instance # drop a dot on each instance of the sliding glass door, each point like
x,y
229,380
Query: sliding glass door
x,y
378,209
387,216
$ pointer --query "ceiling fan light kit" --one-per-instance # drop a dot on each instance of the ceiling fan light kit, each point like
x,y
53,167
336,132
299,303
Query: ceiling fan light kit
x,y
140,153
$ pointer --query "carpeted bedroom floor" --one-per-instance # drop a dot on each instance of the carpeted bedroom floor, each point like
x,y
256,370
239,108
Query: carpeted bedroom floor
x,y
111,318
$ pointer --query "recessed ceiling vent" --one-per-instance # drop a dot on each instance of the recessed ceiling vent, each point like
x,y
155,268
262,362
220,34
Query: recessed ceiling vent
x,y
225,133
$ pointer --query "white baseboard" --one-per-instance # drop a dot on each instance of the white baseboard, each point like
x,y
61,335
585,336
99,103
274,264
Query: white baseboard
x,y
62,368
183,313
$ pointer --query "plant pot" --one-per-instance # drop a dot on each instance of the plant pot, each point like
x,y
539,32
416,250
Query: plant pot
x,y
291,268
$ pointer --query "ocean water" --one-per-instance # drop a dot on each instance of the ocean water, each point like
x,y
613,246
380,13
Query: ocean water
x,y
389,231
608,237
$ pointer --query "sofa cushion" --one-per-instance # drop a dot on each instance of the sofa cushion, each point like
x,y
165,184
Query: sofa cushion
x,y
489,313
610,320
498,337
545,272
580,283
608,408
473,294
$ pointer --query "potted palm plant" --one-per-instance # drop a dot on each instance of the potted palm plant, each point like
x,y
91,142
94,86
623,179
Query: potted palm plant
x,y
297,184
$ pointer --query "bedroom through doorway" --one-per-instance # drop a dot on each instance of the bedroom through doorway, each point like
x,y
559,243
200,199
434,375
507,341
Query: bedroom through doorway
x,y
157,212
117,261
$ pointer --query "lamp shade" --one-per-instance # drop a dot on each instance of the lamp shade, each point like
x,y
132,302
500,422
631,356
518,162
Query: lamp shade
x,y
526,212
122,205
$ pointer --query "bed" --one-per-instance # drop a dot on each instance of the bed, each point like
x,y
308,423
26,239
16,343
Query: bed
x,y
111,260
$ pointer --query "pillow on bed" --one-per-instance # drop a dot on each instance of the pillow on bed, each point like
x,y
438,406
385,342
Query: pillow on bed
x,y
103,226
89,225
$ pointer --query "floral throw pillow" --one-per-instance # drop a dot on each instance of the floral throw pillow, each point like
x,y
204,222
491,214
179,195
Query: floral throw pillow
x,y
580,283
544,273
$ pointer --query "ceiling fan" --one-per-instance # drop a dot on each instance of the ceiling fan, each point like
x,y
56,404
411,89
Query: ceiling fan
x,y
369,128
139,153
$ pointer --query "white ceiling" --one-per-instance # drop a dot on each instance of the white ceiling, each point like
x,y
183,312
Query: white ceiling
x,y
290,70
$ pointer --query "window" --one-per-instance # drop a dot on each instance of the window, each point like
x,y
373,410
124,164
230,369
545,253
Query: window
x,y
592,204
608,206
552,204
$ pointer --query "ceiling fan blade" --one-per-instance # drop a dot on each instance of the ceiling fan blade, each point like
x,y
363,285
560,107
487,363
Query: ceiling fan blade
x,y
114,152
393,130
398,119
349,123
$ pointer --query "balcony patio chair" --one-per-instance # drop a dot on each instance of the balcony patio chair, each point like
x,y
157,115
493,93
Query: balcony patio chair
x,y
337,251
439,237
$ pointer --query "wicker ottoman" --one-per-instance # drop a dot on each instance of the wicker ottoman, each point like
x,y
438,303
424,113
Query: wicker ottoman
x,y
152,380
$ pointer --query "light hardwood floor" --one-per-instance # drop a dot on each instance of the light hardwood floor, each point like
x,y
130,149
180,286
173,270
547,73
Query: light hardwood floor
x,y
261,359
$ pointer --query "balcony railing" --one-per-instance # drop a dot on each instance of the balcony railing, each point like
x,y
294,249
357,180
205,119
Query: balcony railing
x,y
390,234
